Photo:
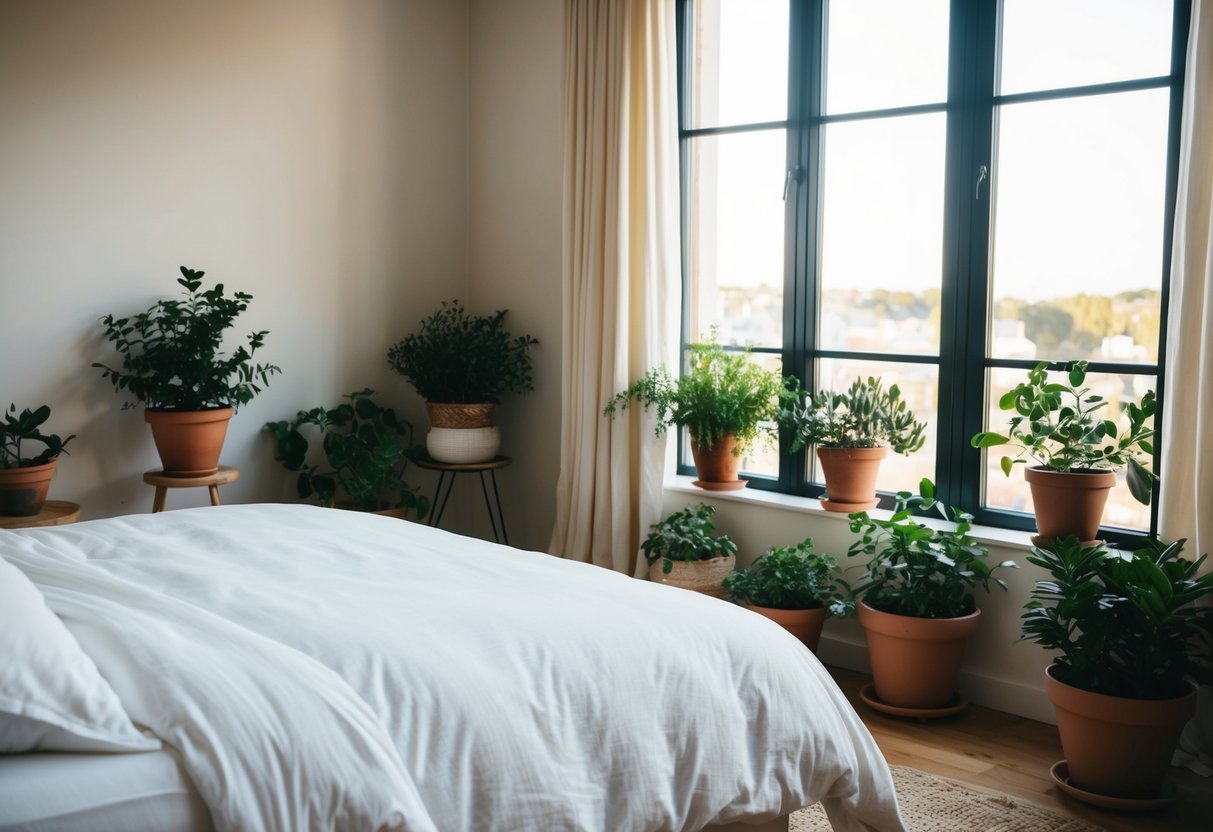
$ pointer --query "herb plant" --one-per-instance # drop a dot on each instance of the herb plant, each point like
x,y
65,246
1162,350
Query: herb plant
x,y
1127,624
26,427
171,358
457,358
367,448
1058,425
917,570
787,578
686,535
722,393
865,416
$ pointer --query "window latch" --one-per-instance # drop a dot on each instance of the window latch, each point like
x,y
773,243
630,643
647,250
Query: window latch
x,y
792,176
983,173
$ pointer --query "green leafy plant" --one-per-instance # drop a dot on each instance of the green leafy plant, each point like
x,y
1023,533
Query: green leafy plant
x,y
865,416
686,535
171,358
457,358
917,570
1058,425
367,448
1126,624
787,578
26,427
722,393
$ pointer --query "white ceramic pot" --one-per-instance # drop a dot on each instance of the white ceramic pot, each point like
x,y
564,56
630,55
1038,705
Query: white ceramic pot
x,y
463,445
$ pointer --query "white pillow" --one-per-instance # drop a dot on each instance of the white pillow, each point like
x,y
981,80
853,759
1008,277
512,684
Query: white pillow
x,y
52,697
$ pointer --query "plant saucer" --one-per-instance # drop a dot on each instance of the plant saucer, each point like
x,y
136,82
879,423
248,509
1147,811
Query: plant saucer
x,y
847,508
1041,543
1060,772
728,485
954,706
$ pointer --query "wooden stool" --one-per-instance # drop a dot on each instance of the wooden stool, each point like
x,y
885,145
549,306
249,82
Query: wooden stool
x,y
450,469
54,513
163,482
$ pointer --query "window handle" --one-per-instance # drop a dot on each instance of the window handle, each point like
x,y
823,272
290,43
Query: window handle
x,y
793,176
983,173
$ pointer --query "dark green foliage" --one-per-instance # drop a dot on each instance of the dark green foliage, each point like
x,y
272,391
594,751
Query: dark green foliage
x,y
917,570
171,355
26,427
1057,424
722,393
865,416
458,358
367,448
787,578
686,535
1127,624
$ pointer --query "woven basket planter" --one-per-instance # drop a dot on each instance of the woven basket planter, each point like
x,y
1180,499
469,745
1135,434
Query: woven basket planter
x,y
444,415
698,575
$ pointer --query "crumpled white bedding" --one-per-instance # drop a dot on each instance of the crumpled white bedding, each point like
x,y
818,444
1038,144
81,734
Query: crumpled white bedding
x,y
322,669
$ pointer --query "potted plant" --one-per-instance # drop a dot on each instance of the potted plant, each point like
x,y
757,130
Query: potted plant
x,y
1131,636
722,400
462,365
791,585
915,601
689,554
173,364
1058,425
853,432
367,448
25,476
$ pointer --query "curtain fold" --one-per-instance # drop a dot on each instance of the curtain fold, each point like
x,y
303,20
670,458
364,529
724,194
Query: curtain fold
x,y
621,270
1186,495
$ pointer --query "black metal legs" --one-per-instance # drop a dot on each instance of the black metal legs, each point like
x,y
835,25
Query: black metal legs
x,y
441,498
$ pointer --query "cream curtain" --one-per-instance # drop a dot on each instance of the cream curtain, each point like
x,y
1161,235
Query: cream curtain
x,y
621,270
1186,499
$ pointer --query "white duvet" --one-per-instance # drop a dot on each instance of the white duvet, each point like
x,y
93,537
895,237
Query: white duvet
x,y
322,669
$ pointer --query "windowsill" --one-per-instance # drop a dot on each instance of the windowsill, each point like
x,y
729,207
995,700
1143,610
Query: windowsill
x,y
986,535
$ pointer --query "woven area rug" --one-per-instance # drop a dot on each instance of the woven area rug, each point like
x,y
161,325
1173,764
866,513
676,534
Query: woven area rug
x,y
932,804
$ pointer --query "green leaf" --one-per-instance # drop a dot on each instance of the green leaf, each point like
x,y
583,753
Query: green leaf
x,y
988,440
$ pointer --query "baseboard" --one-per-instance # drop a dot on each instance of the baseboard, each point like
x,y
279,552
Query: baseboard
x,y
990,692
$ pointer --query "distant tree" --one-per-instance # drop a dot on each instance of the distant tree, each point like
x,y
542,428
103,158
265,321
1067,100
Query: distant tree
x,y
1047,326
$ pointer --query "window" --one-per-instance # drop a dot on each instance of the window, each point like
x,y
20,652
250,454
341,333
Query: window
x,y
941,193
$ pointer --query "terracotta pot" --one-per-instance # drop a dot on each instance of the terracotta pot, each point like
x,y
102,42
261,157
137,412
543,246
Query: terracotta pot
x,y
850,475
915,661
1115,746
1069,502
399,513
23,490
448,415
698,575
189,441
717,463
804,624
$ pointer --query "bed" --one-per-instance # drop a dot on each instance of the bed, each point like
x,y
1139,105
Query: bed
x,y
290,667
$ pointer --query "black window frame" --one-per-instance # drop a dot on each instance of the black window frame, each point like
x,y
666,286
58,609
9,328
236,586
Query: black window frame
x,y
971,111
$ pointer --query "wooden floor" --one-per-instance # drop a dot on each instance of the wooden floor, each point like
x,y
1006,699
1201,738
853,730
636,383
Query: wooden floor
x,y
1009,754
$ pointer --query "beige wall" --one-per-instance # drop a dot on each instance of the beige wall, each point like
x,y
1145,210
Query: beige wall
x,y
516,174
309,152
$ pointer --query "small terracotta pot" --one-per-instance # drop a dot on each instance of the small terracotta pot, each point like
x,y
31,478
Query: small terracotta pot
x,y
716,463
804,624
850,475
448,415
698,575
915,661
1069,502
23,490
189,441
1114,746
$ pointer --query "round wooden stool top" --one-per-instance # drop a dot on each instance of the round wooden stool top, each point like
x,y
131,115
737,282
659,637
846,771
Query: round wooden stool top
x,y
225,475
54,513
458,467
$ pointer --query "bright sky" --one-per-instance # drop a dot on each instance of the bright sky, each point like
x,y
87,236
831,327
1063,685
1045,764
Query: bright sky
x,y
1079,183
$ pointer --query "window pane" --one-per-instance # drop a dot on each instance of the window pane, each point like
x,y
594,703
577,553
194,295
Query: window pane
x,y
1013,493
1047,44
886,53
735,231
740,62
919,385
1078,229
882,235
